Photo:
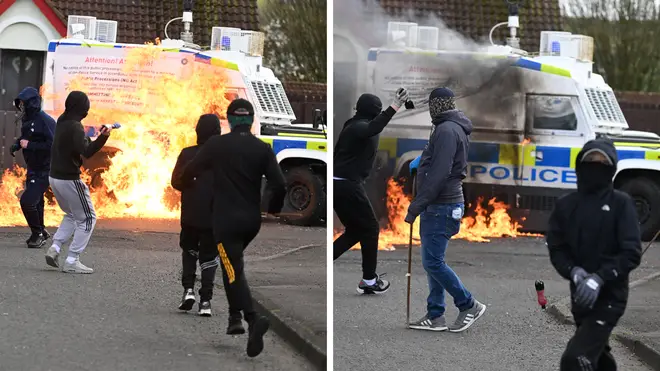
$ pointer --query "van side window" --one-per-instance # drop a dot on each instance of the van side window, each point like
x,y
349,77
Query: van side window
x,y
550,112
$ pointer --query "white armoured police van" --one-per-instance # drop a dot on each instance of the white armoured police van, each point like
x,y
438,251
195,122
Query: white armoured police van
x,y
301,150
531,116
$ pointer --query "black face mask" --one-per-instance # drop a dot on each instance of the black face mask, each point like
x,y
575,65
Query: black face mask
x,y
368,106
594,176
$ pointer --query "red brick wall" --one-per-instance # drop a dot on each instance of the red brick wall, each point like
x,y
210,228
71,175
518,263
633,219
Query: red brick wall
x,y
305,97
642,110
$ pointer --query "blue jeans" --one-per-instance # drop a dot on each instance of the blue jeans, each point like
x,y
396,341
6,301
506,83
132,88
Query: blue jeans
x,y
438,223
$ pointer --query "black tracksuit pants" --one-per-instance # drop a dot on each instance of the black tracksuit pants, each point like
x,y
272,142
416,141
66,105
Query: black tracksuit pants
x,y
231,250
198,244
357,215
32,200
588,349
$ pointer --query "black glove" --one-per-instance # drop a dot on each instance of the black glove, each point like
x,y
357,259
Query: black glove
x,y
14,147
587,291
578,274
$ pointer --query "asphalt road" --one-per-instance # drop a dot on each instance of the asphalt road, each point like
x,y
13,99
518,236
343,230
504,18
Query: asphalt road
x,y
514,334
124,316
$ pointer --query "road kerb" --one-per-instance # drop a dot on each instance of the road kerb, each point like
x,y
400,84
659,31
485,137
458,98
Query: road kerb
x,y
560,310
293,333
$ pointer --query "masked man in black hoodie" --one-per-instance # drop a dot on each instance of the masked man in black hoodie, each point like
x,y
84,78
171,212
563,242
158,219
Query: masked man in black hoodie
x,y
70,145
355,153
196,239
439,200
37,131
594,242
239,161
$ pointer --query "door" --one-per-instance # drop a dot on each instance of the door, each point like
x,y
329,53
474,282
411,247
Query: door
x,y
18,69
554,125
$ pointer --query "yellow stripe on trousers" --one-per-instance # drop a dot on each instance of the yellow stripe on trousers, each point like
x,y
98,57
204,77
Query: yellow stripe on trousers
x,y
226,263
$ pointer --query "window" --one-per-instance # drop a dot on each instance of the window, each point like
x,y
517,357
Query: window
x,y
548,112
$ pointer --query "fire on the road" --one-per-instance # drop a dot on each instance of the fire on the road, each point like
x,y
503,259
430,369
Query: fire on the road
x,y
137,183
484,225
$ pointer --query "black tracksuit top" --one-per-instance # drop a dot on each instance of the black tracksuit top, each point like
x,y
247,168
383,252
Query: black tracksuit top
x,y
69,147
355,151
238,161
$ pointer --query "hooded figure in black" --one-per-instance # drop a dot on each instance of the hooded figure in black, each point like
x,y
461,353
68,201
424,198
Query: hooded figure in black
x,y
196,239
354,157
37,132
239,161
70,145
594,242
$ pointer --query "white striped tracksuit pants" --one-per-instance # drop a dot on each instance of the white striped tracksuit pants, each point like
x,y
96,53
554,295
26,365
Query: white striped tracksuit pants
x,y
79,216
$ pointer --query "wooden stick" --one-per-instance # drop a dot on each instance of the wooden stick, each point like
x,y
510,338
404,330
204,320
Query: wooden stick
x,y
409,274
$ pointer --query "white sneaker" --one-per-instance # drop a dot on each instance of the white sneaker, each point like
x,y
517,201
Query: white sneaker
x,y
52,257
77,267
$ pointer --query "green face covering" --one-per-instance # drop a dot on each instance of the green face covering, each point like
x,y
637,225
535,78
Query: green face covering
x,y
239,120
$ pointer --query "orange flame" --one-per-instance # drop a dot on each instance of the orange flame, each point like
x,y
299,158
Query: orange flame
x,y
137,181
479,228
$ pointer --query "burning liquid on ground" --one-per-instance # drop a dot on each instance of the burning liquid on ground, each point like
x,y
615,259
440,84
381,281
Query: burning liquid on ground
x,y
493,222
136,183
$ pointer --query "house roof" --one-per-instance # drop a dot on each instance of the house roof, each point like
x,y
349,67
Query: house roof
x,y
144,20
475,18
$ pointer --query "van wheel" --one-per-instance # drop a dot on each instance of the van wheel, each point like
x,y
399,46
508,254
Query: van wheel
x,y
305,197
646,194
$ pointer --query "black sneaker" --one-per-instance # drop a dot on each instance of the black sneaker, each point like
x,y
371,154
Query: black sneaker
x,y
36,241
257,329
235,326
205,308
380,287
45,234
188,300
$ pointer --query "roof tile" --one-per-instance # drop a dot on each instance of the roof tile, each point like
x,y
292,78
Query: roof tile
x,y
144,20
475,18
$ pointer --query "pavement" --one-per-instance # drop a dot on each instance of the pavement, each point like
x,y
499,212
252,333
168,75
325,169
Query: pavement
x,y
639,328
515,334
125,317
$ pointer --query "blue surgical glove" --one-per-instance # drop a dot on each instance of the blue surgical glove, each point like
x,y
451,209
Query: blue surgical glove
x,y
587,291
414,164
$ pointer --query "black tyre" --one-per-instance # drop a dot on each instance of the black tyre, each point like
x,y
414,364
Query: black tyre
x,y
646,194
305,197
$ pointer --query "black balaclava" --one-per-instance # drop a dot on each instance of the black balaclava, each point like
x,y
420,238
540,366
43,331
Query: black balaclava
x,y
207,126
368,106
76,106
594,177
31,100
441,100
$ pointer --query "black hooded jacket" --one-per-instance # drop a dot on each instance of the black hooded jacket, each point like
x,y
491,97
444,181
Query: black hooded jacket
x,y
38,128
443,164
71,143
238,161
599,232
355,151
196,194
